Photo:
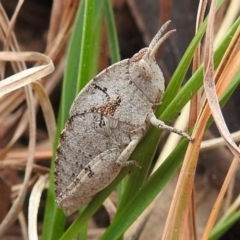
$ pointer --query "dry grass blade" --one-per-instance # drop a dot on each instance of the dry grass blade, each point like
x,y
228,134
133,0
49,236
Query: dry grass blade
x,y
27,76
209,85
22,124
5,26
110,208
195,107
34,201
16,158
233,208
26,112
47,110
195,101
231,14
176,225
17,205
9,32
23,224
218,203
63,15
24,78
227,69
12,101
218,142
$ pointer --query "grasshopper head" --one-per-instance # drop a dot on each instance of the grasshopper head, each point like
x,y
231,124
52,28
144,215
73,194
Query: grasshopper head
x,y
144,70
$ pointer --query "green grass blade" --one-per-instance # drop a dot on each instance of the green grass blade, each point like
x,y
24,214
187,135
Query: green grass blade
x,y
82,235
136,205
155,183
137,178
112,33
92,207
86,45
69,88
218,231
115,57
54,219
143,152
146,149
180,72
147,193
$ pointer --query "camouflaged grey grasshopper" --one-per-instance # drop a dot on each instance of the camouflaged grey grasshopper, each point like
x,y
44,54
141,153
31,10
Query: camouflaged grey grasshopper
x,y
107,120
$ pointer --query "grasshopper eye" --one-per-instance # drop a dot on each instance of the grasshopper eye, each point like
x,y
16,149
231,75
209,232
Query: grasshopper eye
x,y
145,70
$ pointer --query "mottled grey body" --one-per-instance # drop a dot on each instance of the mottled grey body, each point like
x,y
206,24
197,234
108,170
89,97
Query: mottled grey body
x,y
107,120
